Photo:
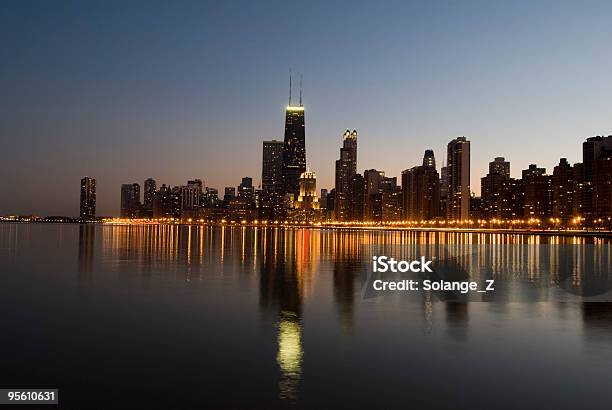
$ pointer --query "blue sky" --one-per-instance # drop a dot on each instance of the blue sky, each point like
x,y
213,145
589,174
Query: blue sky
x,y
123,91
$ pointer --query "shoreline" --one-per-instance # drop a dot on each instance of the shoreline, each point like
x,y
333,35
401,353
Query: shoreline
x,y
331,226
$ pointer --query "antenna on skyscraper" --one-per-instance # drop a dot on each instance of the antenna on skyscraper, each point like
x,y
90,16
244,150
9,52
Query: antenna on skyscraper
x,y
289,87
300,90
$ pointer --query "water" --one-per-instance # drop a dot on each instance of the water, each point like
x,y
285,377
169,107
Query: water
x,y
207,317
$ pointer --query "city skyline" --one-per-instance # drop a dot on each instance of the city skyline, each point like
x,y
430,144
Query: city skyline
x,y
95,91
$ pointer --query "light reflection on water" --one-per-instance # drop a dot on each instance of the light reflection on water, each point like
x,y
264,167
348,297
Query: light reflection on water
x,y
316,328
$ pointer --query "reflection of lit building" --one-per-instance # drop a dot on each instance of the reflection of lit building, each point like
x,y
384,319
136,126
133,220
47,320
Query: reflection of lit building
x,y
290,352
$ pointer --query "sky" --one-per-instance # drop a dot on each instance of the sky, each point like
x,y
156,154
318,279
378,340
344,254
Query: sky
x,y
123,90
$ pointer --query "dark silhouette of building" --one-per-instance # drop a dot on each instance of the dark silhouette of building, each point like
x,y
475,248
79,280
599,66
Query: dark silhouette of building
x,y
294,148
538,193
130,200
150,186
230,193
150,190
593,149
373,195
563,191
356,195
323,199
458,164
421,190
87,209
346,168
272,179
444,191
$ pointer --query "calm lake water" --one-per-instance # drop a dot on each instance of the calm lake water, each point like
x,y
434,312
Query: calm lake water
x,y
185,317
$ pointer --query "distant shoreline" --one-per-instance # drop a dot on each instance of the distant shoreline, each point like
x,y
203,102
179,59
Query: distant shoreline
x,y
518,231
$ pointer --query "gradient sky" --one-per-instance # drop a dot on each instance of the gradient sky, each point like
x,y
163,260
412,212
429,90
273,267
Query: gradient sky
x,y
182,90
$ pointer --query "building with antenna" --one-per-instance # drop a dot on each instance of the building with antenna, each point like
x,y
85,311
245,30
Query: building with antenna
x,y
294,147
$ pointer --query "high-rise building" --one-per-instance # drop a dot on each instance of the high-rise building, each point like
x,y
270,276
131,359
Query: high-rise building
x,y
198,187
150,186
294,148
421,190
230,193
246,191
307,200
443,191
538,193
511,199
87,209
356,197
373,195
490,187
130,200
500,166
458,163
563,191
272,178
346,168
323,198
593,201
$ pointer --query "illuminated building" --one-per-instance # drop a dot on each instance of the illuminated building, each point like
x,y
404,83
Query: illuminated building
x,y
346,168
246,190
594,149
458,164
272,179
87,209
308,192
130,200
538,193
490,187
421,190
150,186
563,191
511,199
294,147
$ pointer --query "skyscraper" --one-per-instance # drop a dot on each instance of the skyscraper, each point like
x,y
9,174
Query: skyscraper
x,y
130,200
346,168
150,186
294,147
272,178
307,200
87,210
458,164
538,193
421,190
491,185
563,188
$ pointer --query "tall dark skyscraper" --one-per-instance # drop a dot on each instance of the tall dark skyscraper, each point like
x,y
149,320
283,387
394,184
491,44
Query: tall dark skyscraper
x,y
294,149
150,186
458,164
346,168
130,200
421,190
88,199
272,179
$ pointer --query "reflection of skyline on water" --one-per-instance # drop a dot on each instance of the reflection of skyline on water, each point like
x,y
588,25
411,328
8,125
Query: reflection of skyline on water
x,y
300,281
